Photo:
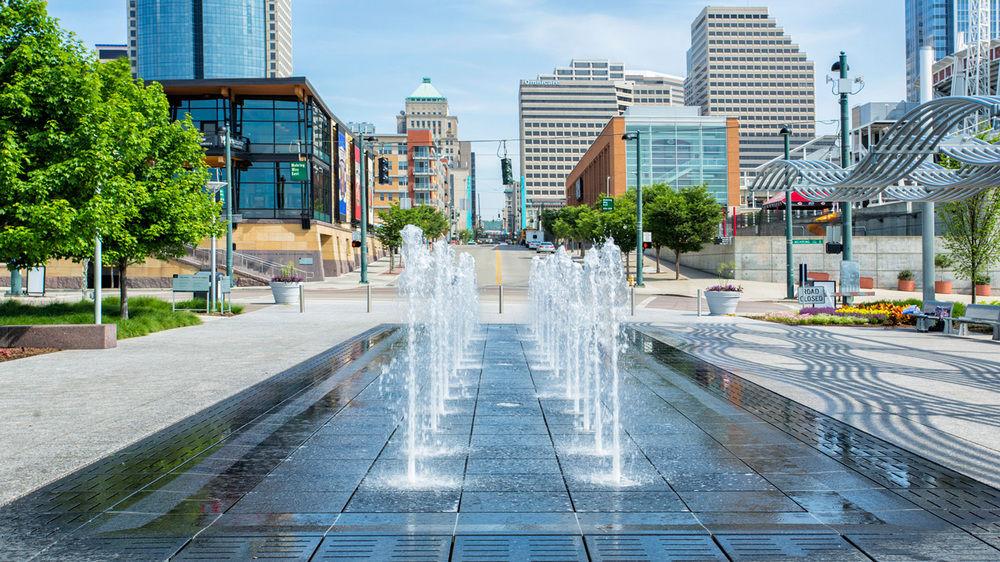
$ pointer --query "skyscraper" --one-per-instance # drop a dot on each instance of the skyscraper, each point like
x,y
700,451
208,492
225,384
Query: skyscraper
x,y
942,24
563,112
742,64
203,39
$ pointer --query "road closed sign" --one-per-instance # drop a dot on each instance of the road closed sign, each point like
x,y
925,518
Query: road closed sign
x,y
812,296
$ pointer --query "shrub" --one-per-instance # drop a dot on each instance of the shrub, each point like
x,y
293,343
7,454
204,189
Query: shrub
x,y
905,275
727,287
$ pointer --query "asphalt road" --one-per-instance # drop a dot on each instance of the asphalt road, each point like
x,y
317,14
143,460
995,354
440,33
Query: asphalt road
x,y
515,264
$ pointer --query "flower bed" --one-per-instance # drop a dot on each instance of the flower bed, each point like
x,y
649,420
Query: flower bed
x,y
881,313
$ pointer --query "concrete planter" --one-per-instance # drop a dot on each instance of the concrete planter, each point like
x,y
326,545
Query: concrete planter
x,y
285,293
903,285
983,290
942,287
721,303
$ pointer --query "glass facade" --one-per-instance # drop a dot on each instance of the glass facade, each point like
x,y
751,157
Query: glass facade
x,y
194,39
680,154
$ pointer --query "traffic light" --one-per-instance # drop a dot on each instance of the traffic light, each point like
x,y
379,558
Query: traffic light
x,y
507,170
647,245
383,171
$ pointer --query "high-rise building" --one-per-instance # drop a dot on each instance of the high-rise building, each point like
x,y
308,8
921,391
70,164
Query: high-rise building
x,y
742,64
208,39
426,109
563,112
942,24
107,52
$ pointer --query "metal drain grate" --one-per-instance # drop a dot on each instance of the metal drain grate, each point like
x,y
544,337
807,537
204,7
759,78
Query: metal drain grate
x,y
813,546
669,548
132,549
384,548
278,547
568,548
946,545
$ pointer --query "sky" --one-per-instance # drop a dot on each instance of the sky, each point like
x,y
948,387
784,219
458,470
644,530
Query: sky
x,y
365,57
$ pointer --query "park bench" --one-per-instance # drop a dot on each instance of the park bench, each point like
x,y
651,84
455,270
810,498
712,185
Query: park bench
x,y
933,312
985,314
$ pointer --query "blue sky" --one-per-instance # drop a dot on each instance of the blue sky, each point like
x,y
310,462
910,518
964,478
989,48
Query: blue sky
x,y
365,57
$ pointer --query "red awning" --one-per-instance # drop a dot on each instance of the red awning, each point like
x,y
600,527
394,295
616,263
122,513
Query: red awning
x,y
778,202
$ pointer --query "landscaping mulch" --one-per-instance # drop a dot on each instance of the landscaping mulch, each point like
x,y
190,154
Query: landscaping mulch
x,y
12,353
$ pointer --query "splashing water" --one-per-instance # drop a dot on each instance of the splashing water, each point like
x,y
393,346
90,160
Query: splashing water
x,y
442,317
578,334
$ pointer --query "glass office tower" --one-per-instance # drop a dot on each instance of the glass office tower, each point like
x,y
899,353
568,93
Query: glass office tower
x,y
941,24
199,39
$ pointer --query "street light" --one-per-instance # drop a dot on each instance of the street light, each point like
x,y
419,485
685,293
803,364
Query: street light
x,y
786,132
364,207
634,135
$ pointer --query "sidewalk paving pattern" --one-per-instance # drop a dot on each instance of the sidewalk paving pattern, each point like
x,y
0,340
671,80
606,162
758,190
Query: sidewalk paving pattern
x,y
301,466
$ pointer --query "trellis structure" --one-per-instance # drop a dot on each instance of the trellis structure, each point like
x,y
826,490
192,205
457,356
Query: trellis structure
x,y
901,166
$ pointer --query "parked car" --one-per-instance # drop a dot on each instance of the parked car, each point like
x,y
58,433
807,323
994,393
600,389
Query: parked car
x,y
546,247
532,245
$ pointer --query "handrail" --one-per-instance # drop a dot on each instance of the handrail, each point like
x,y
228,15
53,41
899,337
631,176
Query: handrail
x,y
248,262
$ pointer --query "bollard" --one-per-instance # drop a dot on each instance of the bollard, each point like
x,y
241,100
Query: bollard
x,y
302,298
699,302
368,296
501,298
632,298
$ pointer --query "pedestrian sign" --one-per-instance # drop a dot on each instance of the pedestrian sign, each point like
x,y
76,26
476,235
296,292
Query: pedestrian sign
x,y
607,204
300,172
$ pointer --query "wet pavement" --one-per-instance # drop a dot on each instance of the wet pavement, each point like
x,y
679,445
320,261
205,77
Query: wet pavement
x,y
309,464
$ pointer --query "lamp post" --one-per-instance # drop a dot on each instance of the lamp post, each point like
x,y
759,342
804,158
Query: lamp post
x,y
846,211
98,278
229,204
786,132
634,135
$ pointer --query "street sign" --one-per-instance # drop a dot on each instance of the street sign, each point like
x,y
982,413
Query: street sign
x,y
607,204
807,241
812,296
850,277
647,236
300,171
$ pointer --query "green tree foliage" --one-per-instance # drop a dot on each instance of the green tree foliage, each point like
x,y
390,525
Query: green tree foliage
x,y
465,236
684,221
972,233
619,224
152,193
653,197
48,158
431,221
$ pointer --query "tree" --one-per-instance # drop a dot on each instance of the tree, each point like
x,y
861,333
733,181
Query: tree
x,y
389,232
431,220
465,236
48,160
619,224
154,190
686,221
548,218
972,233
657,219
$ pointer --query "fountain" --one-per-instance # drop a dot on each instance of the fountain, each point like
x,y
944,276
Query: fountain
x,y
442,311
578,336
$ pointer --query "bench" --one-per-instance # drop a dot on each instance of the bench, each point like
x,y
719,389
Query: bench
x,y
931,313
986,314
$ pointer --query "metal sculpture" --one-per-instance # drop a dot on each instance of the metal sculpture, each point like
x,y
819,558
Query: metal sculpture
x,y
900,166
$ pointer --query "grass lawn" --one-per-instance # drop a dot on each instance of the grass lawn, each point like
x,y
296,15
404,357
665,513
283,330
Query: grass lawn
x,y
146,314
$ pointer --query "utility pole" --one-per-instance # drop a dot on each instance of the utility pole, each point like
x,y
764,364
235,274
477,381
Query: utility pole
x,y
229,205
927,212
847,214
364,209
634,135
789,258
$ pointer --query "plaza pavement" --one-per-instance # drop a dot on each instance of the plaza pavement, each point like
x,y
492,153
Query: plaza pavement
x,y
932,394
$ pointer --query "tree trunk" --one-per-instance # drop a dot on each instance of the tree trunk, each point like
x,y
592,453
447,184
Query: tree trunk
x,y
123,290
391,256
657,259
628,271
677,264
975,274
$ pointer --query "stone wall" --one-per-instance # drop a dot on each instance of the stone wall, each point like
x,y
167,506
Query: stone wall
x,y
762,258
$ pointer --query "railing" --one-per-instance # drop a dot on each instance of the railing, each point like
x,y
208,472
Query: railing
x,y
247,263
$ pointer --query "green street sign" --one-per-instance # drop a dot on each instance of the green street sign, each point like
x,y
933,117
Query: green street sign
x,y
607,204
300,171
807,241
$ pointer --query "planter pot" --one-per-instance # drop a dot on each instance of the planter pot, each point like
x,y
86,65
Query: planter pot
x,y
942,287
722,302
983,290
285,293
906,285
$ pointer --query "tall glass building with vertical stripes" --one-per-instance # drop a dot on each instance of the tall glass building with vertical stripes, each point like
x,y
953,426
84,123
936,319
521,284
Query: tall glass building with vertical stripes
x,y
207,39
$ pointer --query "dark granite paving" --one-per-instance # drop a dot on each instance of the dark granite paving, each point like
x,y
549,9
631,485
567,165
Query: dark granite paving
x,y
308,465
